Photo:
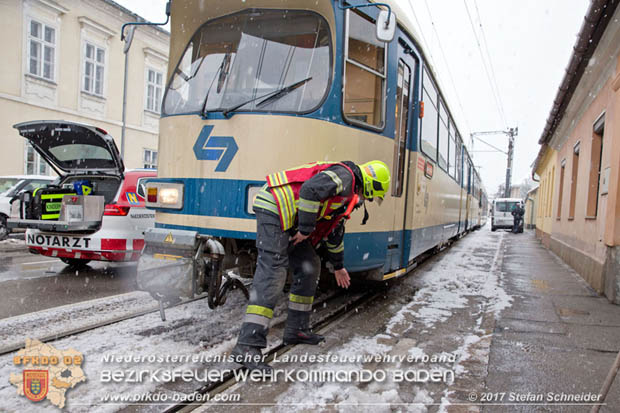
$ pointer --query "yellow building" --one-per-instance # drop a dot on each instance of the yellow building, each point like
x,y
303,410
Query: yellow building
x,y
63,59
545,167
579,161
531,209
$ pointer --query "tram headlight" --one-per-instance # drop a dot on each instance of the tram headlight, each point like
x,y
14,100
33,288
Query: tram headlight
x,y
164,195
169,196
252,192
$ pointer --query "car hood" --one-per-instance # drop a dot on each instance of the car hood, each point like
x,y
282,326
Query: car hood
x,y
73,147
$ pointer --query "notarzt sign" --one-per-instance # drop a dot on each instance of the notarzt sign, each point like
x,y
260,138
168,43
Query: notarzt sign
x,y
57,241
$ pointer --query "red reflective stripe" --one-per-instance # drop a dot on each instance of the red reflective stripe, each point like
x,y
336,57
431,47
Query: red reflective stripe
x,y
138,244
111,244
62,253
114,256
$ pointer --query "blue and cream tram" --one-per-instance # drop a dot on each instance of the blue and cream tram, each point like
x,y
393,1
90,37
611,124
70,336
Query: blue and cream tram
x,y
258,86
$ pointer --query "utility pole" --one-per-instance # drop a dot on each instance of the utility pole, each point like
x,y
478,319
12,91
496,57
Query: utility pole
x,y
511,133
128,39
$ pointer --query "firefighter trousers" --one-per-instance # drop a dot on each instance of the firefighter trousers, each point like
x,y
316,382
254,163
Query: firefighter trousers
x,y
275,255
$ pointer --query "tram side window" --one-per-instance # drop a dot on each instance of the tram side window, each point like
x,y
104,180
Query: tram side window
x,y
401,130
428,140
459,158
364,73
442,159
452,167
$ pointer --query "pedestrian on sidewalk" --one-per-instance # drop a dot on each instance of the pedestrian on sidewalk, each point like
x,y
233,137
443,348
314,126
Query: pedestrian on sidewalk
x,y
296,210
517,213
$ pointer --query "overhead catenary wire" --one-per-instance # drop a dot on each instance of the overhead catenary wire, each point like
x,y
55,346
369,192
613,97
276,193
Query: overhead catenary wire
x,y
486,49
486,70
443,55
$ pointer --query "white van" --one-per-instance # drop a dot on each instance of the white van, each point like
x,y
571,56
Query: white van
x,y
501,213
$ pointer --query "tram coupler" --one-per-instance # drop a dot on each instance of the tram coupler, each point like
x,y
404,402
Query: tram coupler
x,y
177,265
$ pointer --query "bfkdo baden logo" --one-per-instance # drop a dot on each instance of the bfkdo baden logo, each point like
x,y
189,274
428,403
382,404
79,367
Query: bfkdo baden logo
x,y
48,373
35,384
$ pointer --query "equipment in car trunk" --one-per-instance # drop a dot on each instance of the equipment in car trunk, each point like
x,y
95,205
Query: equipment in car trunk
x,y
46,203
77,208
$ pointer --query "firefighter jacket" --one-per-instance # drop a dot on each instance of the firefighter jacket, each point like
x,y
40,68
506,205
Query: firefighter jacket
x,y
313,198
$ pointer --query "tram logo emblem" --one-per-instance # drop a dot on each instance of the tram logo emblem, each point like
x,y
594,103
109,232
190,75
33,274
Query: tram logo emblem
x,y
215,148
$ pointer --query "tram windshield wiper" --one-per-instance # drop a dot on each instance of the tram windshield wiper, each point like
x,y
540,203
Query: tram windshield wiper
x,y
269,97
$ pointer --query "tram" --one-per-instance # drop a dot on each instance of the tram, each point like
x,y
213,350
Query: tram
x,y
259,86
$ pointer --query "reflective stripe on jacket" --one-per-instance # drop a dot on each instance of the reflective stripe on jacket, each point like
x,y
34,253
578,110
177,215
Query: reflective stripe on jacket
x,y
285,187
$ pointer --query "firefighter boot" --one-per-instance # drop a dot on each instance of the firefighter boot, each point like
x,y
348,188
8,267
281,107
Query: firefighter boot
x,y
297,330
250,357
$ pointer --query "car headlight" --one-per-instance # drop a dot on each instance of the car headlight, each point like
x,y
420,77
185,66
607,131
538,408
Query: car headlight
x,y
164,195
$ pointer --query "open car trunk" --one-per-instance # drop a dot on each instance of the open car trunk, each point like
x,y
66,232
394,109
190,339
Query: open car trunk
x,y
91,171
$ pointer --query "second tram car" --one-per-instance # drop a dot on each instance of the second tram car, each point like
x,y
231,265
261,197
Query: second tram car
x,y
260,86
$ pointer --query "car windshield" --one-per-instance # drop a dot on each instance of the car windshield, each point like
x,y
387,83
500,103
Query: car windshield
x,y
505,206
240,57
6,184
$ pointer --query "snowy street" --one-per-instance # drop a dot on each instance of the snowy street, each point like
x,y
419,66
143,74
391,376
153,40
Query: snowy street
x,y
471,329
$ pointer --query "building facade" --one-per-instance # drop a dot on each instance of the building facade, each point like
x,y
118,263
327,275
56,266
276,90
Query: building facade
x,y
531,208
579,161
545,169
64,60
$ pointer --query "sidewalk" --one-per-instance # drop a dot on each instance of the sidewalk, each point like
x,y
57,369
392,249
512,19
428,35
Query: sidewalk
x,y
559,336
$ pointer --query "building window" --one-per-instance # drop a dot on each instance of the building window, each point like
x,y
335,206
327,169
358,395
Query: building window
x,y
35,165
41,50
561,192
94,67
573,182
154,85
150,159
364,73
595,167
550,193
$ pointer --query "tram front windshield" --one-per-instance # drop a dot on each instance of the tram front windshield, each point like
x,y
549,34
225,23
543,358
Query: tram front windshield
x,y
244,56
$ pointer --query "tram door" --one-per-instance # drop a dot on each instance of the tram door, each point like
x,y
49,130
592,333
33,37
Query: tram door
x,y
403,214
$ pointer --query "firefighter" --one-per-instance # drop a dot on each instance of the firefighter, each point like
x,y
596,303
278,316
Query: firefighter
x,y
296,210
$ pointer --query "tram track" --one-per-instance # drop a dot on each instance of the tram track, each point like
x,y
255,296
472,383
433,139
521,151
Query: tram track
x,y
114,320
82,329
332,316
344,310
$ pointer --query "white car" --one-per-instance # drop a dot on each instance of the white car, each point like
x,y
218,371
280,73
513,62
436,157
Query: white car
x,y
501,213
10,186
96,211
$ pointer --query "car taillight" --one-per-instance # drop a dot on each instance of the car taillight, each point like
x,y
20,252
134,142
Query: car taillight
x,y
151,195
116,210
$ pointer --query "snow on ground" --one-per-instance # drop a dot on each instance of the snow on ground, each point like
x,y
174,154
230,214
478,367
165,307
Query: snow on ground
x,y
187,329
15,330
12,241
467,276
348,397
459,275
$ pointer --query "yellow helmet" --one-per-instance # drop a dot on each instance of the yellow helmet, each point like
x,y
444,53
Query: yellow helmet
x,y
376,176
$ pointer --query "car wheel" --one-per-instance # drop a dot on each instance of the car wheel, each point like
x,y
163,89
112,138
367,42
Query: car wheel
x,y
4,230
493,229
75,262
